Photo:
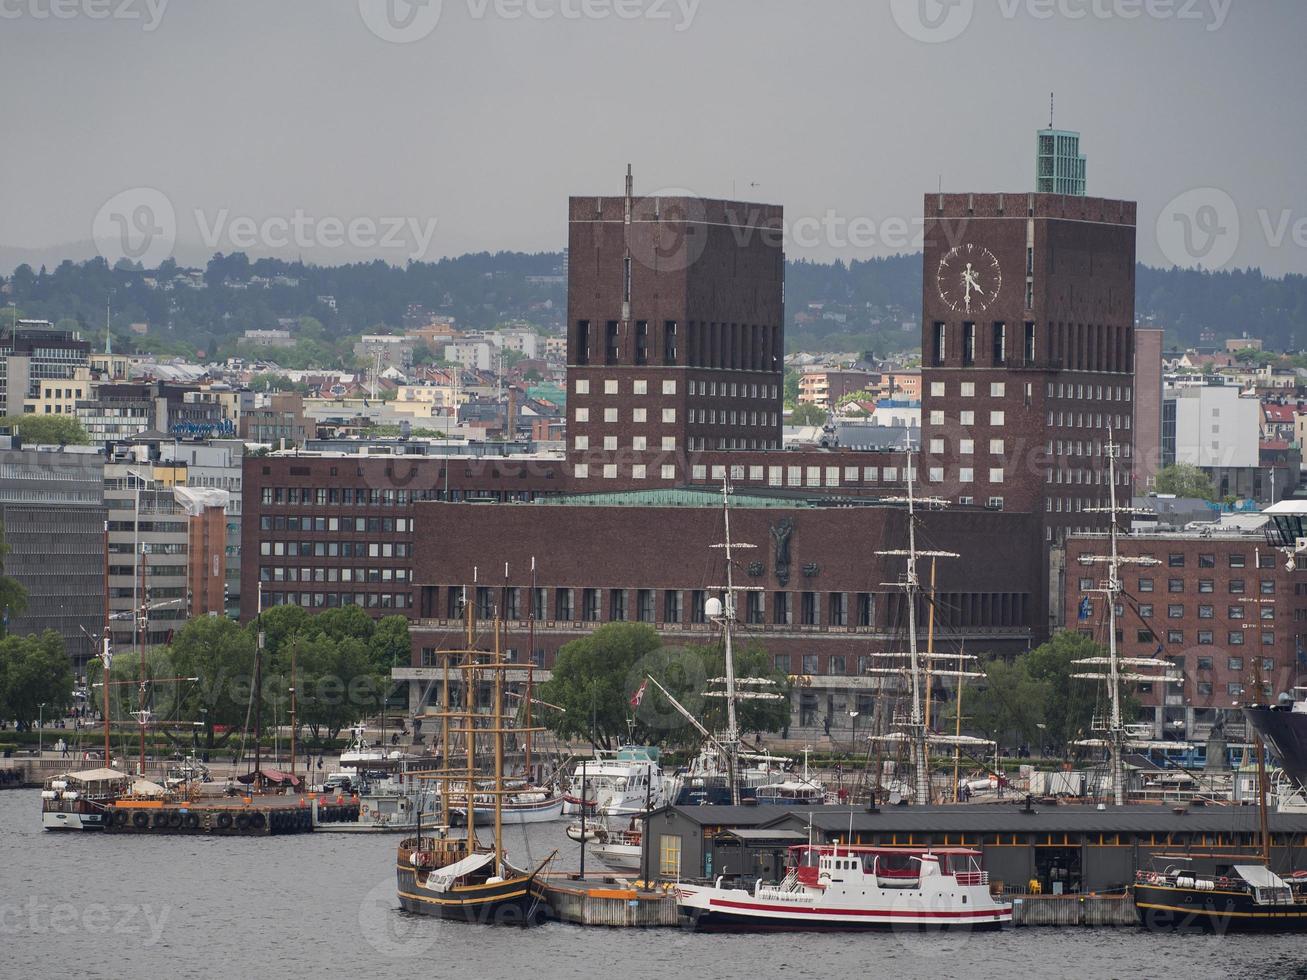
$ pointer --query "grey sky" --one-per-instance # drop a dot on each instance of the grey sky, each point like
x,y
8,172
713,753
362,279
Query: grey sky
x,y
261,110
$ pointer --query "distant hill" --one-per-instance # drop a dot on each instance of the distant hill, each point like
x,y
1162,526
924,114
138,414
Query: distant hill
x,y
863,305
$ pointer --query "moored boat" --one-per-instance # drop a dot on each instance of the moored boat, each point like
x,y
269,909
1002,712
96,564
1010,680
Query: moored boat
x,y
852,887
81,800
1250,898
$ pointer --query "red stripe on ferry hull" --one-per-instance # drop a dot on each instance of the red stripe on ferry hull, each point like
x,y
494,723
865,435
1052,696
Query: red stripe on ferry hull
x,y
970,915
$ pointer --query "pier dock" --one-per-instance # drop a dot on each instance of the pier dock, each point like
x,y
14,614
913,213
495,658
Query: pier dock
x,y
606,901
1074,910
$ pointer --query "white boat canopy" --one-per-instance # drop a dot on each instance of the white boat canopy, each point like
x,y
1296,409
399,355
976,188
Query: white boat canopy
x,y
443,879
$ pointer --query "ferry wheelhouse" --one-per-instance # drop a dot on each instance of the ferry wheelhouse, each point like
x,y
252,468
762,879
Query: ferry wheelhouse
x,y
843,887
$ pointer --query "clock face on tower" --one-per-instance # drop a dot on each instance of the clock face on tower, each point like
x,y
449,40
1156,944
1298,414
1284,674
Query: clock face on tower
x,y
969,279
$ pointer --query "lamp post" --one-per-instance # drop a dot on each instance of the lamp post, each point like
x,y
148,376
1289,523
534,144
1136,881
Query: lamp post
x,y
40,730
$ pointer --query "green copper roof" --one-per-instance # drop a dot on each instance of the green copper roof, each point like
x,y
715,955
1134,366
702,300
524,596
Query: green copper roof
x,y
668,498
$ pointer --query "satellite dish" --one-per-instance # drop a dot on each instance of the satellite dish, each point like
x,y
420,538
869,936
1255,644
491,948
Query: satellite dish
x,y
713,608
895,798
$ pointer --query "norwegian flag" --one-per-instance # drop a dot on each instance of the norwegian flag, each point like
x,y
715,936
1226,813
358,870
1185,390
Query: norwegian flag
x,y
638,696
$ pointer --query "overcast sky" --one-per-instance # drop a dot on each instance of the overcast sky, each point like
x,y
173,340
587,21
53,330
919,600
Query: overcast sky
x,y
469,131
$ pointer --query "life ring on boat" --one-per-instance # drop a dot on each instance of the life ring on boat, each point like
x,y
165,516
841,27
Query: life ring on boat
x,y
224,821
192,821
140,820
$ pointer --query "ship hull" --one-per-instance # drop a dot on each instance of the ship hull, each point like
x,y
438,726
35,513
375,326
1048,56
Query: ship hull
x,y
61,820
1285,732
768,919
1168,908
508,902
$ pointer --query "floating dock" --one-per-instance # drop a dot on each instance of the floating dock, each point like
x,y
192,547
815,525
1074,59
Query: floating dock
x,y
606,901
228,817
1074,910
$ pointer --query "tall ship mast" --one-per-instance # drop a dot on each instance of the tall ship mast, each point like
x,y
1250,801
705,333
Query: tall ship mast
x,y
913,729
461,878
1115,735
729,687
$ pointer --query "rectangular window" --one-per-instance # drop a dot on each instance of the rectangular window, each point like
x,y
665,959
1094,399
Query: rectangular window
x,y
1236,586
781,614
1175,585
1236,638
1205,638
938,340
753,608
563,603
1236,561
968,344
1175,560
1145,585
1206,585
1175,612
808,610
616,605
1000,343
590,605
644,605
1145,610
1175,636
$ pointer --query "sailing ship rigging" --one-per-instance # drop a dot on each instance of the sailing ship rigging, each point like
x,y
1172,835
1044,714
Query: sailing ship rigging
x,y
920,668
1115,735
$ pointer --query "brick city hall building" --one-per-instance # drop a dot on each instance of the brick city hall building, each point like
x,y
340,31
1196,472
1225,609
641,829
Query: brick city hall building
x,y
675,340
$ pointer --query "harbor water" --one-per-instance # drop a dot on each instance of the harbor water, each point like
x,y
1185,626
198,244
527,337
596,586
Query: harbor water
x,y
323,905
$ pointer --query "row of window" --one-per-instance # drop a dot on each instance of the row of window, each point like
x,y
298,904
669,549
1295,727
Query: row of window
x,y
336,549
370,525
638,443
334,600
1206,638
1236,586
1084,392
966,474
967,447
676,606
1177,559
582,414
709,389
968,417
278,573
967,389
346,496
797,476
1176,611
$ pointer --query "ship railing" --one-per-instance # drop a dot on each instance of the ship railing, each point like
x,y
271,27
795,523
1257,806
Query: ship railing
x,y
972,877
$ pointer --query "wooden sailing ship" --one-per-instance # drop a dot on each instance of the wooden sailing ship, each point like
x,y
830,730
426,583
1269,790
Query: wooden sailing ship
x,y
463,879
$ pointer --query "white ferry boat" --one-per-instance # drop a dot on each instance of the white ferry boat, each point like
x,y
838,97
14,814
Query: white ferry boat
x,y
841,887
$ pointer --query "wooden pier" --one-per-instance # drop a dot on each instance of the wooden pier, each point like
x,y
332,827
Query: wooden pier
x,y
607,901
1074,910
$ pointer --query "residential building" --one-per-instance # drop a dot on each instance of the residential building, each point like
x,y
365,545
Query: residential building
x,y
825,387
394,351
35,356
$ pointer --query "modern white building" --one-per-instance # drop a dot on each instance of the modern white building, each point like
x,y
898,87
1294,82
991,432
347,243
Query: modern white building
x,y
1210,426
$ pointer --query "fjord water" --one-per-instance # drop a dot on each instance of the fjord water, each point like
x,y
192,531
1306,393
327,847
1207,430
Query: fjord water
x,y
323,906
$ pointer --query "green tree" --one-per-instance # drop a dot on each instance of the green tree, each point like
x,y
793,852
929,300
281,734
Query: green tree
x,y
808,414
337,683
34,671
63,430
1007,705
1070,703
752,714
791,388
1185,480
221,654
594,678
389,645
